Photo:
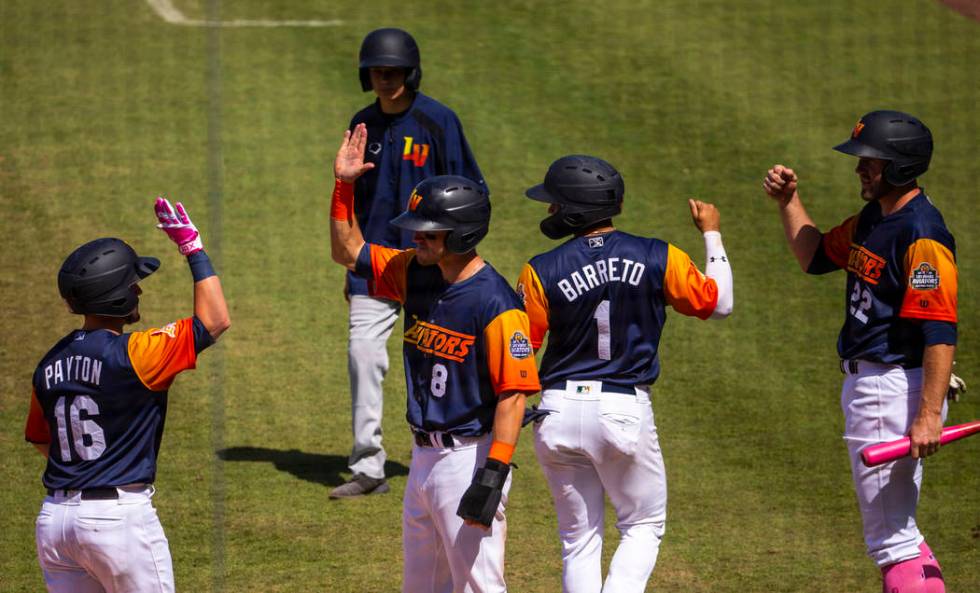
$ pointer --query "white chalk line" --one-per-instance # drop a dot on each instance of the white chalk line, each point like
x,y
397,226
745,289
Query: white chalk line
x,y
169,13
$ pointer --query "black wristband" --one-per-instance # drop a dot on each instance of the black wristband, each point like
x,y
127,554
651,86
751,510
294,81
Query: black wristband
x,y
200,264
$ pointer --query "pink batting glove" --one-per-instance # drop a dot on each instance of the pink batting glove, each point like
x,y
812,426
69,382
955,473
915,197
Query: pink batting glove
x,y
178,226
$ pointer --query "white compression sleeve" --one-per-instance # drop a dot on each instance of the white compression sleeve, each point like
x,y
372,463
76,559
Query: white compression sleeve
x,y
718,269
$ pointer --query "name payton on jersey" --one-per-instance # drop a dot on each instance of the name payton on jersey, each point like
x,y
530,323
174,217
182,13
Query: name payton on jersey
x,y
73,368
590,276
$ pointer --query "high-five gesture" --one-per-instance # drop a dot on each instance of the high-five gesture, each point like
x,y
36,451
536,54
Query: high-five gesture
x,y
178,226
350,164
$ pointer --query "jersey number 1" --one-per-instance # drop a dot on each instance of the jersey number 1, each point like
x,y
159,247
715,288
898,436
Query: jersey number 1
x,y
80,428
601,317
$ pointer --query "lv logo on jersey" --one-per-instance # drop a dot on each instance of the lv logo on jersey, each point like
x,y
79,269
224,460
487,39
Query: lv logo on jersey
x,y
417,153
439,341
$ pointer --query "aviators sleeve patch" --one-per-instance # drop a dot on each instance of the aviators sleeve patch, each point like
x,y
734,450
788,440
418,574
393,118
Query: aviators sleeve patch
x,y
931,273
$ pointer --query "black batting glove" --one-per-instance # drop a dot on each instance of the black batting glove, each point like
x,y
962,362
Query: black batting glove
x,y
481,499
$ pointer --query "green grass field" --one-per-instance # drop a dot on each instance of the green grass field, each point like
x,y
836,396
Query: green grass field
x,y
103,105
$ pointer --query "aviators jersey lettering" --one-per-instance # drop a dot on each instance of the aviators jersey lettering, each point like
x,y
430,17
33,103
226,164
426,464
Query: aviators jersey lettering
x,y
465,343
405,148
901,271
100,400
602,300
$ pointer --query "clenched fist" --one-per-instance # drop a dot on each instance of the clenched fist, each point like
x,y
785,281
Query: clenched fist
x,y
780,183
706,216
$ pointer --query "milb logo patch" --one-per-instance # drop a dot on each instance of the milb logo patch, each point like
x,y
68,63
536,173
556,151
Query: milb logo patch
x,y
924,277
520,346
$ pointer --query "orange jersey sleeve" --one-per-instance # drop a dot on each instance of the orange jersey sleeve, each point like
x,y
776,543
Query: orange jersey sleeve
x,y
510,356
531,291
687,290
158,355
932,282
389,272
837,242
37,430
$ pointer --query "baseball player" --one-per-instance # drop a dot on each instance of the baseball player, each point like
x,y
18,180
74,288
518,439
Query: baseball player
x,y
468,366
899,334
410,137
97,414
601,298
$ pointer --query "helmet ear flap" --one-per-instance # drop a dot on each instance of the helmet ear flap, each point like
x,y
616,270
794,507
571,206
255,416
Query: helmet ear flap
x,y
413,78
464,242
365,75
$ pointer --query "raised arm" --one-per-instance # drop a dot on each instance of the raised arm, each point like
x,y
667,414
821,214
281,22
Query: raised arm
x,y
209,300
346,240
802,235
708,220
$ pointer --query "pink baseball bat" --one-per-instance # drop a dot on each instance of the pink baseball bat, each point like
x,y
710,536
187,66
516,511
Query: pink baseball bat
x,y
885,452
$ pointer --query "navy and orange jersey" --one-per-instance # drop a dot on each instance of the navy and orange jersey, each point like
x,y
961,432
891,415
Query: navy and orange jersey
x,y
424,141
901,273
100,400
465,343
602,301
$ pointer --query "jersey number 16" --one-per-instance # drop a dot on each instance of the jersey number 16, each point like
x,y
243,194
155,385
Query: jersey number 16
x,y
80,428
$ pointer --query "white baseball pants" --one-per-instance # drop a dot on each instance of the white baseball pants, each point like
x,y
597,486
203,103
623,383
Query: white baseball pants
x,y
371,322
598,443
96,546
880,402
443,555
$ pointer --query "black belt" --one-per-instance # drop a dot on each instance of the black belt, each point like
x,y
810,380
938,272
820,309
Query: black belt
x,y
432,439
603,386
852,366
108,493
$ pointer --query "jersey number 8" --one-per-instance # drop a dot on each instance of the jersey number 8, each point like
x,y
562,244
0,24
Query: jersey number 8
x,y
440,374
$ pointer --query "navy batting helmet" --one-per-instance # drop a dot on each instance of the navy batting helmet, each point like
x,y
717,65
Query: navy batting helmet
x,y
98,277
449,203
393,48
586,189
899,138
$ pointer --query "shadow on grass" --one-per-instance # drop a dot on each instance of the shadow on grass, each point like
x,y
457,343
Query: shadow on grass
x,y
312,467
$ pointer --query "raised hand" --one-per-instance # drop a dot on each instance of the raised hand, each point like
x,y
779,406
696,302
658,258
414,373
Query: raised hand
x,y
178,226
349,164
706,216
780,183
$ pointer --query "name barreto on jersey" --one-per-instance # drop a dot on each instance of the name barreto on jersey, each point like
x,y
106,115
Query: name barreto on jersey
x,y
439,341
73,368
593,275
